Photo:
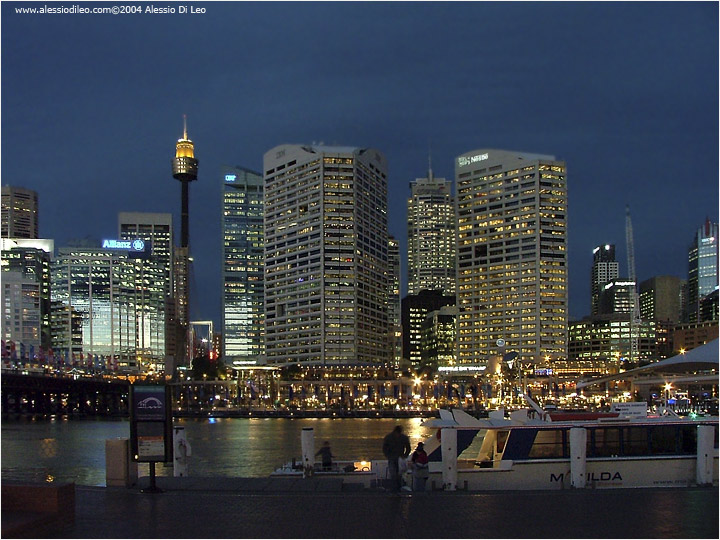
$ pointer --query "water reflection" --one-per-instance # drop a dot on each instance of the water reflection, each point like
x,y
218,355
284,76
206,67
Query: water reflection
x,y
74,450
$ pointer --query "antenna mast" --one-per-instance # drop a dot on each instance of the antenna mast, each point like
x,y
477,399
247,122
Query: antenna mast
x,y
635,314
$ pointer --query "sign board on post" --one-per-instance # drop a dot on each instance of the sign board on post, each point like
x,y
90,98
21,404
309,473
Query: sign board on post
x,y
151,423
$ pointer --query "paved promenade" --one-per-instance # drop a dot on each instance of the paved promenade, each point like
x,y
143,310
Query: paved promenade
x,y
321,508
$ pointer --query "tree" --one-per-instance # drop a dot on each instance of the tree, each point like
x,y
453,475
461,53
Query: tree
x,y
204,367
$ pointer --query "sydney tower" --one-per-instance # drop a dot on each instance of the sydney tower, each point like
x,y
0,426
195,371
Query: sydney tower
x,y
185,169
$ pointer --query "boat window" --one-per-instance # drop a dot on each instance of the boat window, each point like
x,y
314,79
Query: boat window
x,y
501,440
635,441
549,443
603,442
687,439
663,439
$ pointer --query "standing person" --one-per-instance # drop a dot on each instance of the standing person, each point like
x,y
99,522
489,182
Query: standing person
x,y
396,445
326,456
420,467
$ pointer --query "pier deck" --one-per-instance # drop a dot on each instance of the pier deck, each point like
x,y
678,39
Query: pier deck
x,y
321,508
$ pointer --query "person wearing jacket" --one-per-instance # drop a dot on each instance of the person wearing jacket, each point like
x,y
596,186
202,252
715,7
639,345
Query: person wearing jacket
x,y
420,467
396,445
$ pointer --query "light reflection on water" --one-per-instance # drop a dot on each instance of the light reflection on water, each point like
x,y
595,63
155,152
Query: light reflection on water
x,y
74,450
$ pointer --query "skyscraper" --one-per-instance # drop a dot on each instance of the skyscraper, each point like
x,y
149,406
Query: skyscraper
x,y
702,267
512,258
156,229
661,299
26,291
111,302
326,255
604,269
185,169
394,303
242,266
19,213
431,235
415,309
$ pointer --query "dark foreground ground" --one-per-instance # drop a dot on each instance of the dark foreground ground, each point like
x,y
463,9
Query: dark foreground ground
x,y
314,508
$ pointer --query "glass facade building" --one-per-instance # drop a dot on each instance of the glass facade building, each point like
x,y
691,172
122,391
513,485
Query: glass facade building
x,y
120,300
702,267
242,266
326,255
512,258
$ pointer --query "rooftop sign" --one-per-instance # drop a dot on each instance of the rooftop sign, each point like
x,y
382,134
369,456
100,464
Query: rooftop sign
x,y
468,160
130,245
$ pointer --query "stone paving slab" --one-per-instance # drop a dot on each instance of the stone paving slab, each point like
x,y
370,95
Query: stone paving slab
x,y
245,485
217,512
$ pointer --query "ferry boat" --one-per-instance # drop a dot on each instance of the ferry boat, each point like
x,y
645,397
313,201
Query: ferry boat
x,y
534,449
585,452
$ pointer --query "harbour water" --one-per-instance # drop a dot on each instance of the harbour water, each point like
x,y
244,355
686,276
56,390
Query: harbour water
x,y
74,450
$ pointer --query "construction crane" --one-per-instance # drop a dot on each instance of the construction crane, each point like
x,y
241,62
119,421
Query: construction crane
x,y
635,314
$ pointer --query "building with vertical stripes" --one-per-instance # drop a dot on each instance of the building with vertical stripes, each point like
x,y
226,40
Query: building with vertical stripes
x,y
19,213
326,255
512,258
431,235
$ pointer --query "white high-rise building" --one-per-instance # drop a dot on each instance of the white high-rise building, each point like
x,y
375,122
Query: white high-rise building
x,y
326,255
512,258
604,270
431,235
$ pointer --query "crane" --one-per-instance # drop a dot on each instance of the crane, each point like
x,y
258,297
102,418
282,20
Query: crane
x,y
635,313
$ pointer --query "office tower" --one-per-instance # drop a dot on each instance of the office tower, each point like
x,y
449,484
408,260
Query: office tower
x,y
326,255
438,341
661,299
185,169
394,304
19,213
26,291
415,308
119,293
617,296
702,268
604,269
431,235
156,229
606,341
242,267
512,258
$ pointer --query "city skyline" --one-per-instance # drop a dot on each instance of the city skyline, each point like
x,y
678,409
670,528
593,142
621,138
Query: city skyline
x,y
620,93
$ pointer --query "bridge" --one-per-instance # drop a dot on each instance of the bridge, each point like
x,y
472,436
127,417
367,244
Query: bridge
x,y
40,393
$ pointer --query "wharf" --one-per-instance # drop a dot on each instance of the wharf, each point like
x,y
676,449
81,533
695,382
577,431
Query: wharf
x,y
325,508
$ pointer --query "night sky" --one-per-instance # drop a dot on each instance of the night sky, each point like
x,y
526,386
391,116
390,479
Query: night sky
x,y
625,93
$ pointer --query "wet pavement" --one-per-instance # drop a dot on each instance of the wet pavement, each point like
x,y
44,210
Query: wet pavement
x,y
324,508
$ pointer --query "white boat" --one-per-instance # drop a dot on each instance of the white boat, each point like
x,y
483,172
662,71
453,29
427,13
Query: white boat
x,y
624,448
533,449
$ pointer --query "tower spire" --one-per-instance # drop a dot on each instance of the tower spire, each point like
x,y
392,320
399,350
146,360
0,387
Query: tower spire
x,y
185,126
430,174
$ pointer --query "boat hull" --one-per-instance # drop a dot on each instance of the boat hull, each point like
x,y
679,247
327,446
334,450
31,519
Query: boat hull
x,y
601,473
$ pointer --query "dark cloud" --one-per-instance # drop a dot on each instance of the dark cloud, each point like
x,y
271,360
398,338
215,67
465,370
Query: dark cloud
x,y
626,93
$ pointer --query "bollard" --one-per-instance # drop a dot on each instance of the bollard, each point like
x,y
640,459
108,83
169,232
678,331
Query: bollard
x,y
307,443
181,452
704,468
448,443
578,454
